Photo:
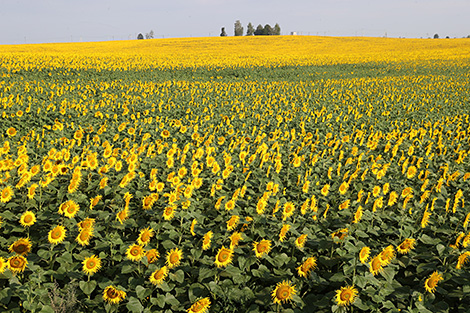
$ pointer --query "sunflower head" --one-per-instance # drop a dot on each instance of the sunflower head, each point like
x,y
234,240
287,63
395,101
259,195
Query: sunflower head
x,y
200,306
17,264
309,265
57,235
223,257
376,265
91,265
135,252
406,246
346,295
173,258
431,283
364,254
145,235
152,255
21,246
159,275
27,219
283,292
261,248
113,295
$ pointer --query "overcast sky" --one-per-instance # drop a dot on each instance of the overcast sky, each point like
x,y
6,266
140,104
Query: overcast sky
x,y
38,21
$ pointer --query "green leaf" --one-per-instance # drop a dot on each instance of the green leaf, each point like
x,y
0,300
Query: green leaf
x,y
140,291
171,300
134,305
87,286
47,309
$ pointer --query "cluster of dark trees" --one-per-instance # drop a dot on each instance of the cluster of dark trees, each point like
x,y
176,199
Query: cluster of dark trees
x,y
260,30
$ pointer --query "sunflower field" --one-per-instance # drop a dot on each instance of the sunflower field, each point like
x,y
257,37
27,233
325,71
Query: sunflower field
x,y
275,174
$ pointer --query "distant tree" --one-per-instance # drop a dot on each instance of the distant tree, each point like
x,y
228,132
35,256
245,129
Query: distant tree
x,y
149,35
250,29
447,37
223,33
259,30
238,28
268,30
468,36
436,36
140,36
277,29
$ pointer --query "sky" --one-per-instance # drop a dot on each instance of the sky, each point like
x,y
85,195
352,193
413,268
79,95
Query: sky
x,y
42,21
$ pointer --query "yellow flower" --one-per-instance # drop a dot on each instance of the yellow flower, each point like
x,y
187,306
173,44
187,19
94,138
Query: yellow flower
x,y
343,188
152,255
234,239
3,265
325,189
307,266
346,295
406,246
206,241
375,265
113,295
135,252
282,235
11,132
200,306
431,283
57,234
17,264
173,258
122,215
91,265
283,292
233,222
224,257
21,246
27,219
463,258
69,208
6,194
159,275
364,254
387,255
84,237
289,209
261,248
145,235
425,219
300,241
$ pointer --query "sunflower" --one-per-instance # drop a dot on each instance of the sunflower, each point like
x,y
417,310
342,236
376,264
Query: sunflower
x,y
3,265
84,237
224,257
103,182
152,255
346,295
376,191
431,283
113,295
200,306
289,209
234,239
343,188
17,263
411,172
69,208
94,201
406,246
206,240
233,222
340,234
191,229
325,190
6,194
11,132
364,254
27,219
344,205
300,241
309,265
283,292
387,255
122,215
21,246
57,234
463,258
282,234
32,191
169,213
375,265
357,215
425,219
173,258
135,252
159,275
91,265
165,133
145,235
262,247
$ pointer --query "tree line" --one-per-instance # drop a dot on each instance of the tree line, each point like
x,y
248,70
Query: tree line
x,y
260,30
